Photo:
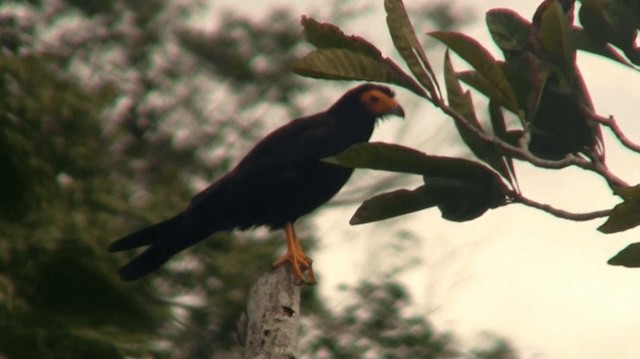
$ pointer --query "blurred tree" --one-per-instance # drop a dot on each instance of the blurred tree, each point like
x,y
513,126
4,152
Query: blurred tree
x,y
91,98
112,114
377,325
57,295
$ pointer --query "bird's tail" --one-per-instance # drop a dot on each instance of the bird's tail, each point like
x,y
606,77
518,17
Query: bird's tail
x,y
163,240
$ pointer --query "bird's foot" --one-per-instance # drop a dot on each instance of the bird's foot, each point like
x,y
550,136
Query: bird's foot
x,y
299,265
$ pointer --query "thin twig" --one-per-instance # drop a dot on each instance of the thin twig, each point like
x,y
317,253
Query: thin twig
x,y
612,124
514,151
525,155
613,180
560,213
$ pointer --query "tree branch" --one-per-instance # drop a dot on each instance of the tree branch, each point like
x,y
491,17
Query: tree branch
x,y
612,124
560,213
524,154
613,180
515,152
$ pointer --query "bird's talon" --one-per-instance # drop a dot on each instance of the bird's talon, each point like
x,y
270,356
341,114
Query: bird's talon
x,y
312,277
300,263
305,263
299,267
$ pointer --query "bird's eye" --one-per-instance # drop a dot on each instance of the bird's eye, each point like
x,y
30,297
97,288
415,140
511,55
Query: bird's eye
x,y
374,99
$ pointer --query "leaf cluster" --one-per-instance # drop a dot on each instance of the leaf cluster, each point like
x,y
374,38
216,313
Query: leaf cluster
x,y
540,110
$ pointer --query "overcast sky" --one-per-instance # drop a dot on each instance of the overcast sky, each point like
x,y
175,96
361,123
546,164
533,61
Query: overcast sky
x,y
540,281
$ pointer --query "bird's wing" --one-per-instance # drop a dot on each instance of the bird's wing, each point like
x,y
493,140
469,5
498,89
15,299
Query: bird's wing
x,y
310,138
303,139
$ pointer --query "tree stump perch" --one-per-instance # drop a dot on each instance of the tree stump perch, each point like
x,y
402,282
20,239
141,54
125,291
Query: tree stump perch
x,y
273,316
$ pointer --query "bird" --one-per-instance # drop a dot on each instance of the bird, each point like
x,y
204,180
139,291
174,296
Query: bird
x,y
280,180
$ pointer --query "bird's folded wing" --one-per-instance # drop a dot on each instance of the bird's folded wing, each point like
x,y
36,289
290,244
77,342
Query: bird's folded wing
x,y
301,140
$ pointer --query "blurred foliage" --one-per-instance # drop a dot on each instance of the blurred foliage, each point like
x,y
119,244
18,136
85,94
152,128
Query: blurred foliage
x,y
250,49
89,145
112,114
495,347
58,296
42,115
377,325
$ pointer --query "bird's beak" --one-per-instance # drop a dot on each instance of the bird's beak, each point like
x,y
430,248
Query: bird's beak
x,y
397,110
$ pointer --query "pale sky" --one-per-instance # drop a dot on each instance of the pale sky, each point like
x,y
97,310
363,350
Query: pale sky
x,y
541,282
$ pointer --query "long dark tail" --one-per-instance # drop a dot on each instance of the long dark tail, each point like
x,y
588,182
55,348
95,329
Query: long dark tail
x,y
203,217
164,240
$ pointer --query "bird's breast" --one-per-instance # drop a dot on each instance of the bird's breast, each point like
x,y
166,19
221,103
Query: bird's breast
x,y
299,190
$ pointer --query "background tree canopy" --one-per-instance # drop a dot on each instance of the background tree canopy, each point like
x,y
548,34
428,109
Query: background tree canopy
x,y
113,113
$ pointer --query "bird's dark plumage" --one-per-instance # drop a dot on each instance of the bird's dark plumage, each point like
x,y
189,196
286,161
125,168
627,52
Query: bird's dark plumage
x,y
281,179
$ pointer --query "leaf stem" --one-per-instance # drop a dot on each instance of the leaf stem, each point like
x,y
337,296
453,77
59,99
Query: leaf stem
x,y
612,124
525,155
560,213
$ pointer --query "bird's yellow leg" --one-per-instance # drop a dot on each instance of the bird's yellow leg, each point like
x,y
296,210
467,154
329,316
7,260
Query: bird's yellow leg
x,y
294,255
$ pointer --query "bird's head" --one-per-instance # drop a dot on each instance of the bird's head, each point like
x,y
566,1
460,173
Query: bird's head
x,y
376,100
380,102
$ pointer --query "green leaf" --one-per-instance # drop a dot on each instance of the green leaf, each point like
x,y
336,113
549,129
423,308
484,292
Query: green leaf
x,y
509,30
340,64
463,199
615,22
397,158
483,62
382,156
499,125
480,83
518,78
556,35
328,36
625,215
498,122
462,189
461,101
628,257
393,204
342,57
586,43
406,42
